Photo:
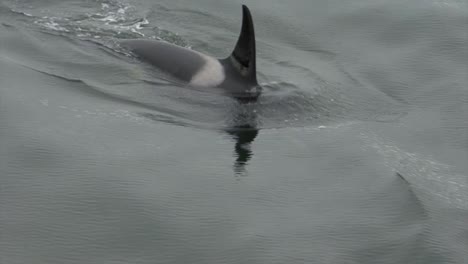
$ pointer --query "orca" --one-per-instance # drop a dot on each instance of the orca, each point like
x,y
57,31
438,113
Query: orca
x,y
236,75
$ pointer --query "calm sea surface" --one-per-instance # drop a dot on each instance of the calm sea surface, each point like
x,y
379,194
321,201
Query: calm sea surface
x,y
357,151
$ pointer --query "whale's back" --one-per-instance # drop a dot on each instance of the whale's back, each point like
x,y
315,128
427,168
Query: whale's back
x,y
235,74
177,61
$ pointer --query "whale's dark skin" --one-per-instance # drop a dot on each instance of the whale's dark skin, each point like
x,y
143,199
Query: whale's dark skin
x,y
236,74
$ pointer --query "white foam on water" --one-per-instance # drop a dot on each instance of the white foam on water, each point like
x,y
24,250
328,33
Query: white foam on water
x,y
111,18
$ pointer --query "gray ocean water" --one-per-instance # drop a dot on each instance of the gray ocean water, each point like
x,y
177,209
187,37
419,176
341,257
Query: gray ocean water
x,y
356,152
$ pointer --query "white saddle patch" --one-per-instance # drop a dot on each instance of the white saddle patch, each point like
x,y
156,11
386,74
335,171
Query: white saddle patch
x,y
210,75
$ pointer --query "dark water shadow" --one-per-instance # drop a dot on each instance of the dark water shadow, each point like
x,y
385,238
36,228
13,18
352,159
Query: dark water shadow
x,y
244,136
243,131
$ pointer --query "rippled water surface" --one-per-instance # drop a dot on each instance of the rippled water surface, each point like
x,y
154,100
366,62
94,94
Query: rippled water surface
x,y
356,152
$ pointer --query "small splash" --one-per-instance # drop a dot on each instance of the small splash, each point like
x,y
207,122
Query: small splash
x,y
104,24
21,13
109,20
273,83
53,24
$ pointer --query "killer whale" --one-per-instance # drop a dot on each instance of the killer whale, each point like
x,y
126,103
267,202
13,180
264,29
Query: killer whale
x,y
235,75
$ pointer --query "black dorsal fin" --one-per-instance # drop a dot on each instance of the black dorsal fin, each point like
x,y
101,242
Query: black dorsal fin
x,y
243,56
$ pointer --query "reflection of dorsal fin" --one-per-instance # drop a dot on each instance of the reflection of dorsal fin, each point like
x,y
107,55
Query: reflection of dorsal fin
x,y
243,56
